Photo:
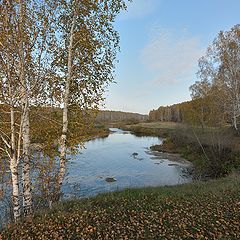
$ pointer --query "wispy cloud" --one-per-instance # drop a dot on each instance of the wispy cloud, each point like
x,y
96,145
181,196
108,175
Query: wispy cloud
x,y
171,57
140,8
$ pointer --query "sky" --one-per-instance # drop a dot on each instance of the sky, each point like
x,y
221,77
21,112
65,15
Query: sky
x,y
161,42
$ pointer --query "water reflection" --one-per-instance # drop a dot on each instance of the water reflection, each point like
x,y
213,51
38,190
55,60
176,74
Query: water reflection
x,y
123,157
122,160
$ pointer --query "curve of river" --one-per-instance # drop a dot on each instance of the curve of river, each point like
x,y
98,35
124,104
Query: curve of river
x,y
125,160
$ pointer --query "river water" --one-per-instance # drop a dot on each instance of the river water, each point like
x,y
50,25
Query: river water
x,y
124,158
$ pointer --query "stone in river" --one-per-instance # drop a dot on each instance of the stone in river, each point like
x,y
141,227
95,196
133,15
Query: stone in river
x,y
135,154
110,179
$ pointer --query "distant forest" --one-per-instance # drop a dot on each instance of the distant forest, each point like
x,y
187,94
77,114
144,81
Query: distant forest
x,y
114,116
200,111
173,113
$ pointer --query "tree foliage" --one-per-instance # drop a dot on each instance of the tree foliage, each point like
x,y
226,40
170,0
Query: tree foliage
x,y
216,93
219,73
53,55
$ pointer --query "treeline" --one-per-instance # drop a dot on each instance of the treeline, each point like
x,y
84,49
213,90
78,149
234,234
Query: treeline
x,y
200,112
173,113
115,116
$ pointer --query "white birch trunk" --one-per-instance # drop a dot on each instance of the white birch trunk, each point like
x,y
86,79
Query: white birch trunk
x,y
15,190
235,121
14,168
27,196
63,140
14,160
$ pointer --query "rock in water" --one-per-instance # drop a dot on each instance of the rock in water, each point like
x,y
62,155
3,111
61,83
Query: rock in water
x,y
110,179
135,154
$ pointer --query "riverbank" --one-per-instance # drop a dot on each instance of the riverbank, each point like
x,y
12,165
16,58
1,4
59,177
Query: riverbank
x,y
99,131
160,129
214,152
201,210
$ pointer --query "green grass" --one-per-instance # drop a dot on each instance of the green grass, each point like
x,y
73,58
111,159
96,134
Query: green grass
x,y
202,210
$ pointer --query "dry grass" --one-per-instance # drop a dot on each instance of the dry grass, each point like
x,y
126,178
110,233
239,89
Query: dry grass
x,y
159,125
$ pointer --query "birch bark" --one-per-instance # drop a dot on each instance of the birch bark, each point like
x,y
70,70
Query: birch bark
x,y
27,196
11,148
63,140
14,163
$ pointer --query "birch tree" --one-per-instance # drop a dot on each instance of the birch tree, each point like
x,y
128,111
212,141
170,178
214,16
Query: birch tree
x,y
10,137
25,40
27,197
37,41
86,59
220,68
227,48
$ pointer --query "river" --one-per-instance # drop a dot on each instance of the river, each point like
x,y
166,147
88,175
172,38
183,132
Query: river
x,y
122,158
125,160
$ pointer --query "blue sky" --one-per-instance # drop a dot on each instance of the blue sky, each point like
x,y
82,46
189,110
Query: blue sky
x,y
161,41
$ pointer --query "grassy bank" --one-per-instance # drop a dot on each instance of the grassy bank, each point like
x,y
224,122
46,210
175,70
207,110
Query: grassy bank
x,y
161,129
203,210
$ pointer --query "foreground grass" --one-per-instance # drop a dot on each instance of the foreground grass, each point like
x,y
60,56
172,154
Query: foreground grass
x,y
204,210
